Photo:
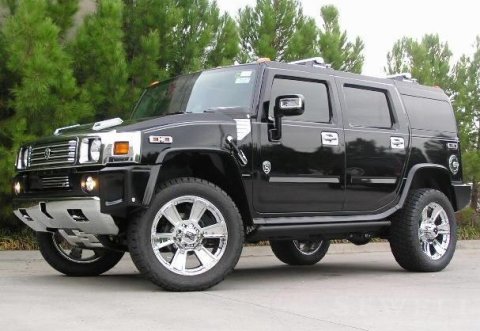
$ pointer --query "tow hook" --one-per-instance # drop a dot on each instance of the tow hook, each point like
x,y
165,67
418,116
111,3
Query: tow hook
x,y
238,153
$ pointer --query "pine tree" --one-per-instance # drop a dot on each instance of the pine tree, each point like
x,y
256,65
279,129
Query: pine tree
x,y
187,32
267,28
62,12
226,43
38,90
466,101
143,67
334,45
100,62
304,42
427,60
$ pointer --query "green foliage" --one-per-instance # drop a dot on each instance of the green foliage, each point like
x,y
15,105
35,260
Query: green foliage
x,y
39,91
62,12
267,28
226,43
99,60
466,101
428,60
334,45
279,30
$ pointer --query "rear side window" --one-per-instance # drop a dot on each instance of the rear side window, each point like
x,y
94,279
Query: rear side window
x,y
317,106
367,107
429,114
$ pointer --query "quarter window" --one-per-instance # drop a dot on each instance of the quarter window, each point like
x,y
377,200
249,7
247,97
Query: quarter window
x,y
317,106
367,107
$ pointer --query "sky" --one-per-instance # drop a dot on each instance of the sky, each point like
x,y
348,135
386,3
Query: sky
x,y
380,23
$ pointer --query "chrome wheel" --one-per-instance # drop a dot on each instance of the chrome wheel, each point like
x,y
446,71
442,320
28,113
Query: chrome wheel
x,y
307,247
434,231
74,253
189,235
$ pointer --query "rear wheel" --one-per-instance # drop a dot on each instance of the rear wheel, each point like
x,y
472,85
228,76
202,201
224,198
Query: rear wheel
x,y
73,260
423,234
300,252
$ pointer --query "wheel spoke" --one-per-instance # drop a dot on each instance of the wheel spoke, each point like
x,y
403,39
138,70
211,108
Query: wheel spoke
x,y
179,261
426,248
443,228
438,247
161,240
172,215
436,212
198,209
217,230
205,257
425,214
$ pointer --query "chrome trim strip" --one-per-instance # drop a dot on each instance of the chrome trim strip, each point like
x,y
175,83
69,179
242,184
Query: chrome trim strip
x,y
328,180
370,180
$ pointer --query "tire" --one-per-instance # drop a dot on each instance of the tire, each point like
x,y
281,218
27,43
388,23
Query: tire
x,y
423,234
187,256
293,253
73,264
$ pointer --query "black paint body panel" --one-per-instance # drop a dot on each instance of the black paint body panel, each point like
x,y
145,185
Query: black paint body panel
x,y
361,178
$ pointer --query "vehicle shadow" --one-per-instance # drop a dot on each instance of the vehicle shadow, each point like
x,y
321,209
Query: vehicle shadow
x,y
244,277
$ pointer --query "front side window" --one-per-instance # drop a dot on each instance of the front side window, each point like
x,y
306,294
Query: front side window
x,y
367,107
199,92
317,106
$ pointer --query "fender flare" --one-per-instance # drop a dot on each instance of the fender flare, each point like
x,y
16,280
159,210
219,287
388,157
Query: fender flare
x,y
155,170
411,175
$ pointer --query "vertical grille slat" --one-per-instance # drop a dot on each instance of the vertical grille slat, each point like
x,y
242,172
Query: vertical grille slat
x,y
57,153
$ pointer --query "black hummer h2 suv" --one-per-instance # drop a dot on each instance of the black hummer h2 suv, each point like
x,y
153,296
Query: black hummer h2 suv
x,y
297,154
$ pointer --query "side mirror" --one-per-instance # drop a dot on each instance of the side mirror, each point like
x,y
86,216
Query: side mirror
x,y
289,105
285,105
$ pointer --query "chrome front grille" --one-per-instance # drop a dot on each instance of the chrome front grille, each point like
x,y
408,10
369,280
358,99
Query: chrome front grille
x,y
55,182
53,154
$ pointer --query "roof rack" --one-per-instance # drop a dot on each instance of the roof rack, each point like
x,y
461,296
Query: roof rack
x,y
403,77
314,62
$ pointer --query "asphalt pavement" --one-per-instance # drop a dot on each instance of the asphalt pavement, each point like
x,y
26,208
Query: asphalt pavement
x,y
353,288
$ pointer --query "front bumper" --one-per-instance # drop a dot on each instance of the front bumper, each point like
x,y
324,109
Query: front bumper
x,y
462,195
81,213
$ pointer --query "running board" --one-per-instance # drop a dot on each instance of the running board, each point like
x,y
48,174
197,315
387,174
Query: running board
x,y
303,231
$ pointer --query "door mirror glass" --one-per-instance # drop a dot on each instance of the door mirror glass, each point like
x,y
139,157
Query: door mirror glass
x,y
289,105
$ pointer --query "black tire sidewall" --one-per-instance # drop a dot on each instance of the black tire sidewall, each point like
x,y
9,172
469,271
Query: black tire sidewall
x,y
60,263
436,197
156,270
287,252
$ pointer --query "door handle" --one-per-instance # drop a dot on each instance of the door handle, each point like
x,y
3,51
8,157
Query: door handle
x,y
330,138
397,142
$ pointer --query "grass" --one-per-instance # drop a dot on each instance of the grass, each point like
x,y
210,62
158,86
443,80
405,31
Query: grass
x,y
468,222
17,240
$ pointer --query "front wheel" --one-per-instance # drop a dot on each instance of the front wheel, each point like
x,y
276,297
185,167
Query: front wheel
x,y
300,252
75,261
190,238
423,234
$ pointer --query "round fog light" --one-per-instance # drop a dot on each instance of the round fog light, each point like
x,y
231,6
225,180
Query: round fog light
x,y
17,188
89,184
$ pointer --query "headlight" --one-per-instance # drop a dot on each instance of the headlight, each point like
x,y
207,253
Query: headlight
x,y
95,146
25,158
90,150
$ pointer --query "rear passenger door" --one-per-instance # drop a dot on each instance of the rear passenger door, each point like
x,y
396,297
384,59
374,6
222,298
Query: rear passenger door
x,y
376,137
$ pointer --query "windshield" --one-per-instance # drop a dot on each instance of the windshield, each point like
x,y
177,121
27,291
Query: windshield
x,y
199,92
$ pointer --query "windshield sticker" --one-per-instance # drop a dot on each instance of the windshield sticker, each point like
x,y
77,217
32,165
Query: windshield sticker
x,y
243,77
246,73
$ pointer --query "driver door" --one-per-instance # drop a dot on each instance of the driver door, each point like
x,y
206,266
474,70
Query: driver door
x,y
304,170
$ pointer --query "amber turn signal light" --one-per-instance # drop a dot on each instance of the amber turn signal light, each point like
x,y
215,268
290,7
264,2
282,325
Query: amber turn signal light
x,y
121,148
